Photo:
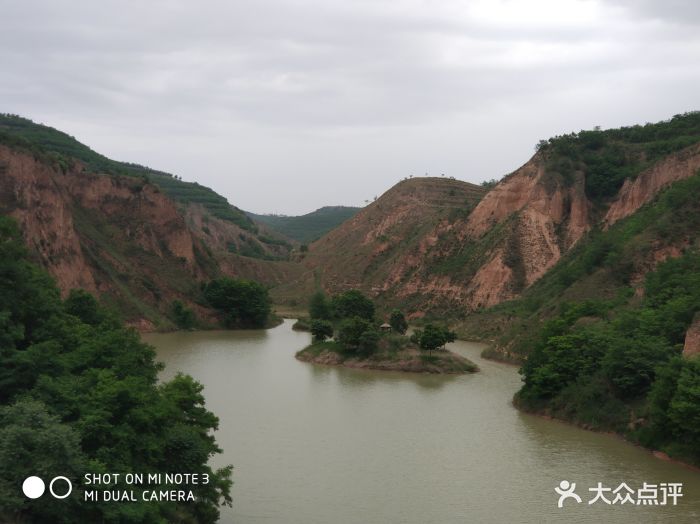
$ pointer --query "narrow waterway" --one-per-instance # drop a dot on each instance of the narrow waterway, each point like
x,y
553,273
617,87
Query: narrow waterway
x,y
314,444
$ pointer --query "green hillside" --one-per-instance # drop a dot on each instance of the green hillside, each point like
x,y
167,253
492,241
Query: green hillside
x,y
610,156
309,227
601,342
43,140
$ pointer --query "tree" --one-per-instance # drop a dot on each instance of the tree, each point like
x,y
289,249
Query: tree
x,y
684,410
183,316
83,395
368,341
350,332
244,303
321,330
398,322
319,306
83,305
35,443
434,337
353,303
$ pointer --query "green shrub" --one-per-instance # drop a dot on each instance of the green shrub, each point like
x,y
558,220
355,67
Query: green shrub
x,y
244,303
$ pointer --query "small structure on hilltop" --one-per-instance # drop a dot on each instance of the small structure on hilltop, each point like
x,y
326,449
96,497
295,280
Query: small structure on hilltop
x,y
385,327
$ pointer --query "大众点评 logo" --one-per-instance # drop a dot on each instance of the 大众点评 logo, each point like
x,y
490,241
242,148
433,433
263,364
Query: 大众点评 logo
x,y
648,495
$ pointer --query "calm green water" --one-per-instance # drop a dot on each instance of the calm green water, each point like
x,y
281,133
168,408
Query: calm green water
x,y
326,445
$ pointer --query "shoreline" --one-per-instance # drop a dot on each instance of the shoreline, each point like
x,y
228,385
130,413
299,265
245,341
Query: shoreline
x,y
658,454
405,361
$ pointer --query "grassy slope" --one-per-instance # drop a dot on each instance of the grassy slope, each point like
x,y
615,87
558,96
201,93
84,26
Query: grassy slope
x,y
309,227
362,251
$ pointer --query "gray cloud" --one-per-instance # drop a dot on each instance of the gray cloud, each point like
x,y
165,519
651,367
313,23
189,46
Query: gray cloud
x,y
287,105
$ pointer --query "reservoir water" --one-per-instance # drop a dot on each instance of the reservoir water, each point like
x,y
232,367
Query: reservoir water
x,y
314,444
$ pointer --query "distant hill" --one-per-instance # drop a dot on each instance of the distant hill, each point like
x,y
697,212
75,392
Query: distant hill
x,y
22,131
309,227
384,241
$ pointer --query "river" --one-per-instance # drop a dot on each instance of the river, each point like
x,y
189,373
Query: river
x,y
314,444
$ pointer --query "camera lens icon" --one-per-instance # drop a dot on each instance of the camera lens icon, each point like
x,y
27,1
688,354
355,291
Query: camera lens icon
x,y
33,487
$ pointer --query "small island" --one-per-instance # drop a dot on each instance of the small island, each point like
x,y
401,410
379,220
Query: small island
x,y
357,340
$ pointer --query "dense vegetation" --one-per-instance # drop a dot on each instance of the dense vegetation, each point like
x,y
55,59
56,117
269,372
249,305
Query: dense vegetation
x,y
624,371
61,148
183,316
433,337
398,322
359,339
243,303
79,393
309,227
604,357
350,316
608,157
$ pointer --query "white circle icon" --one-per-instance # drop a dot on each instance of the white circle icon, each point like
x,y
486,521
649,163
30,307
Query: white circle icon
x,y
33,487
70,487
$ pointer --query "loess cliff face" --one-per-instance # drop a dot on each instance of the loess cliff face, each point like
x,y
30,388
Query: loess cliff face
x,y
542,217
121,238
428,245
637,192
117,237
32,193
435,245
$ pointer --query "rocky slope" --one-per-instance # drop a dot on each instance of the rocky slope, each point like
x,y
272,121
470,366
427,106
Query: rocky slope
x,y
440,247
383,245
117,237
435,244
642,189
432,246
124,239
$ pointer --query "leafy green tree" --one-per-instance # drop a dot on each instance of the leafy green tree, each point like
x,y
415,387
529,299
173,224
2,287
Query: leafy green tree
x,y
434,337
83,305
368,341
244,303
353,303
80,392
350,332
398,322
684,410
321,330
36,443
630,363
319,306
183,316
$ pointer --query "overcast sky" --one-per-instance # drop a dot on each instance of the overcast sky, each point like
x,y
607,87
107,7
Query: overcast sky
x,y
288,105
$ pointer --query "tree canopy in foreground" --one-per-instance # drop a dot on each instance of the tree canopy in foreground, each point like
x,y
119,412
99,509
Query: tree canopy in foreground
x,y
79,393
